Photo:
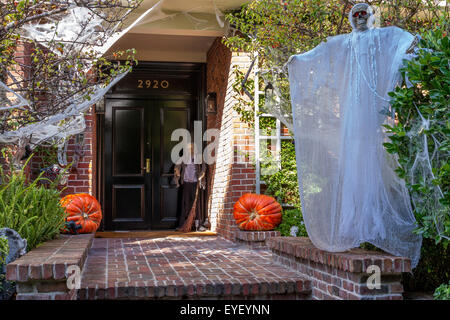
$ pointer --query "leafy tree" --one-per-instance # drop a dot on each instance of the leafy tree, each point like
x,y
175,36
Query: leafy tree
x,y
51,60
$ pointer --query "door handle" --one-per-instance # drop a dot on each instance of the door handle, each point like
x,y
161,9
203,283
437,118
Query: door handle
x,y
147,165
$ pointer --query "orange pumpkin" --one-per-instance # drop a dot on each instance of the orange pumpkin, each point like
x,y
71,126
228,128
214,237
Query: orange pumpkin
x,y
84,210
257,212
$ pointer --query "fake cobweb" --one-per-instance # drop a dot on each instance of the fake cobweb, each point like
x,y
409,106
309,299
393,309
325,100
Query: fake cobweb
x,y
77,30
421,173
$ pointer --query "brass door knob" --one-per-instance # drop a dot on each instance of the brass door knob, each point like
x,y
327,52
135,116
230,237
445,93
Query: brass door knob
x,y
147,165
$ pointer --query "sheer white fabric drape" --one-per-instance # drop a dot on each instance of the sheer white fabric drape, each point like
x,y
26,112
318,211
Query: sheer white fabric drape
x,y
349,191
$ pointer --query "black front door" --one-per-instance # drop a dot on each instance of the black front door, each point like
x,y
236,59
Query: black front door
x,y
140,192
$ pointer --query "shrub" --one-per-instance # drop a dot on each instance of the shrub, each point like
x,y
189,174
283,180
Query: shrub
x,y
4,250
7,288
292,218
421,137
29,207
421,140
283,184
442,292
432,269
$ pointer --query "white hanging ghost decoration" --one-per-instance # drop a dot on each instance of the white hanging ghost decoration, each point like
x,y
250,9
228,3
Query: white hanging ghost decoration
x,y
349,191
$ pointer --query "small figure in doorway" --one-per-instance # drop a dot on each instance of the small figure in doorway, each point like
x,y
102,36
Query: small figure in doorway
x,y
191,177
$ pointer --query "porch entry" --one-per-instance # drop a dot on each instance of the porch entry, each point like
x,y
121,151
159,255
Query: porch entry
x,y
141,113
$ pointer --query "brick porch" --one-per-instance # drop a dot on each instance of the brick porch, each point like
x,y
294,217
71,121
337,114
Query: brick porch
x,y
211,267
185,268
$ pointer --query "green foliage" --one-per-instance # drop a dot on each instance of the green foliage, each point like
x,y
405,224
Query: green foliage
x,y
276,28
7,288
267,125
283,184
432,269
29,208
4,249
423,115
370,247
49,155
442,292
243,106
292,218
271,27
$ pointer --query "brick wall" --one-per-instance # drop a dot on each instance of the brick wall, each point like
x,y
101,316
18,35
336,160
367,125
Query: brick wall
x,y
82,178
255,239
342,275
234,172
42,273
82,173
22,56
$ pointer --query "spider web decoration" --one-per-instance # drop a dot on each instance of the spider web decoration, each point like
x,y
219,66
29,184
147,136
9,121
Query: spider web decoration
x,y
56,129
71,33
86,28
421,173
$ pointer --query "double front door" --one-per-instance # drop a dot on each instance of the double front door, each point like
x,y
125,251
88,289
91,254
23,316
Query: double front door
x,y
140,192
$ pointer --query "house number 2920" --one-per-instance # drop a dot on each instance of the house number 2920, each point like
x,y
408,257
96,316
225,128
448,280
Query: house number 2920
x,y
155,84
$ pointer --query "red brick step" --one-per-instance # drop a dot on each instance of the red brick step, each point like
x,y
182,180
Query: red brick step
x,y
186,268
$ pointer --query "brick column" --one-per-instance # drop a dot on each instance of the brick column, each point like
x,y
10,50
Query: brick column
x,y
42,273
233,173
342,275
82,178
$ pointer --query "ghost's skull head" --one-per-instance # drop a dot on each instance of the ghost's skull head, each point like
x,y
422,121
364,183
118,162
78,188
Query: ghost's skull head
x,y
360,15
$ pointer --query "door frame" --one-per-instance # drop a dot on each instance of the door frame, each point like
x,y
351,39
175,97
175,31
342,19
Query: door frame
x,y
149,67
